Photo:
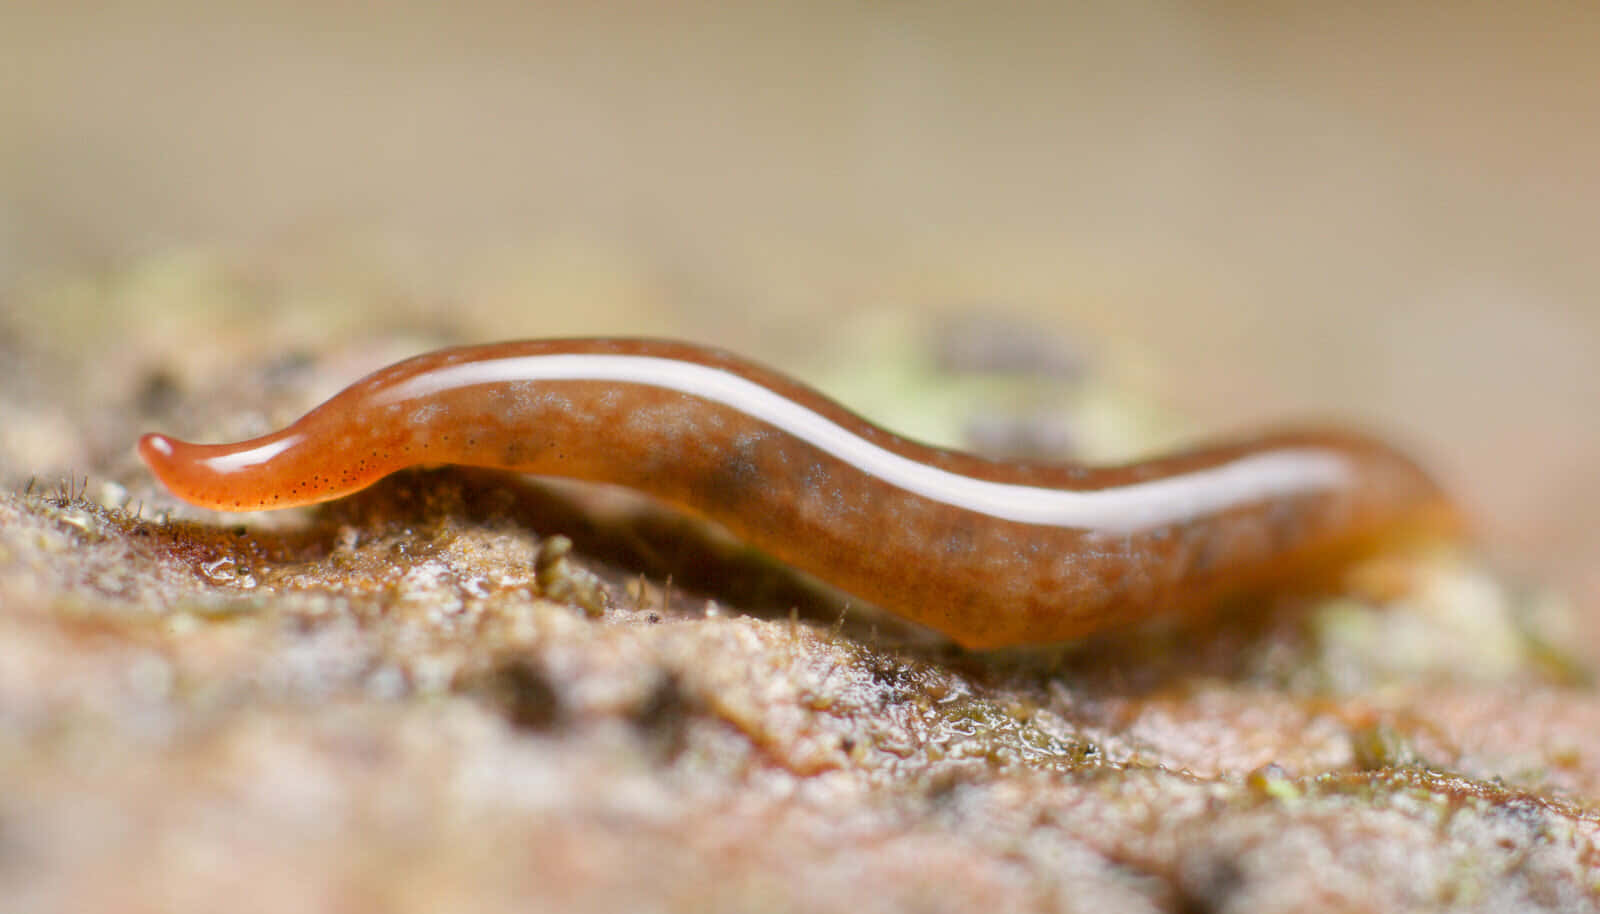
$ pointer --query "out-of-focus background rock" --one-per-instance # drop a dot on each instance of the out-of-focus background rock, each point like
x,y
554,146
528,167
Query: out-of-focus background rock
x,y
212,215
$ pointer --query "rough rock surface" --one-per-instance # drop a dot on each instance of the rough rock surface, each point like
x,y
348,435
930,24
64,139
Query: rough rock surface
x,y
419,699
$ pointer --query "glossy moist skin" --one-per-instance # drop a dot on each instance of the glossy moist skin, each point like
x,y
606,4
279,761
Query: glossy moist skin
x,y
991,553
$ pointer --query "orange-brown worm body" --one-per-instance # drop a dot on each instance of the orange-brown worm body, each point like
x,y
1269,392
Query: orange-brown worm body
x,y
990,553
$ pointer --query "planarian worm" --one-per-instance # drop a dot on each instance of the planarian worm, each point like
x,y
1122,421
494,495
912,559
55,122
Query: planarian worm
x,y
991,553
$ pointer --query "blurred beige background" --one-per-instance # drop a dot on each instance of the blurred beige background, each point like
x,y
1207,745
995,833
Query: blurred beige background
x,y
1323,208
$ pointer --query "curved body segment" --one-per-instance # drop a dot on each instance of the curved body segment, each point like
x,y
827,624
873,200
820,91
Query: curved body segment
x,y
988,552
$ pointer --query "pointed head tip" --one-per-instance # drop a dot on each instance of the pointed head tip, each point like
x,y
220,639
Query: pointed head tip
x,y
153,448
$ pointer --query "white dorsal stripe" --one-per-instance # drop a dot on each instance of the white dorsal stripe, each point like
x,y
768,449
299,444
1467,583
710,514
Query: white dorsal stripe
x,y
1120,510
239,460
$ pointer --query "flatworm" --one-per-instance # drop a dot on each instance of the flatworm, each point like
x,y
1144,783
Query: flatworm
x,y
989,552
